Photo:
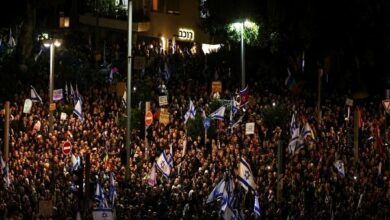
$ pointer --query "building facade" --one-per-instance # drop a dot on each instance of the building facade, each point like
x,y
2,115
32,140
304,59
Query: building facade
x,y
169,21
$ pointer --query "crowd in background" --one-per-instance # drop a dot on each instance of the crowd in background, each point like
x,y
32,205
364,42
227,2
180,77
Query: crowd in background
x,y
312,188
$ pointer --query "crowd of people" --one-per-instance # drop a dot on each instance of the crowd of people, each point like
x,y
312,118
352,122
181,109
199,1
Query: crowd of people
x,y
309,186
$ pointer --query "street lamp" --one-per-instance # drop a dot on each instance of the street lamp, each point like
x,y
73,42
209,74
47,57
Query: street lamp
x,y
52,43
247,30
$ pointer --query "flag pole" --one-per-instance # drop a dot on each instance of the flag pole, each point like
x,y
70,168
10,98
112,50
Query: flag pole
x,y
129,57
6,131
356,136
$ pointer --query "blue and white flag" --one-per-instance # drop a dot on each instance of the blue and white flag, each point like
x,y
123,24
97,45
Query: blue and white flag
x,y
35,96
72,93
190,113
102,214
296,142
232,214
256,207
308,132
218,114
245,175
164,164
75,162
78,111
99,196
340,167
112,190
217,192
293,125
244,96
234,104
221,192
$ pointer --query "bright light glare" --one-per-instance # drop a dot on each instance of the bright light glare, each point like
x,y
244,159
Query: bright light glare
x,y
57,43
251,31
237,26
46,44
250,24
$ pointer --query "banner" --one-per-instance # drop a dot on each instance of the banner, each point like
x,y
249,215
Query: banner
x,y
102,214
164,116
27,106
249,128
57,95
63,116
163,100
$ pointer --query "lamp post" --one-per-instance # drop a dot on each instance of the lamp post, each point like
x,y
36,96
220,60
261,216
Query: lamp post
x,y
51,43
129,57
242,57
240,28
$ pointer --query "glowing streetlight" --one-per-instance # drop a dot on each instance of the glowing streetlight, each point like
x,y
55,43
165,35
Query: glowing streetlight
x,y
247,31
51,43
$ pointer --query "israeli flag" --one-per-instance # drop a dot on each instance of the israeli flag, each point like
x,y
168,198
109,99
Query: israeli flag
x,y
99,196
231,214
78,111
72,93
164,164
102,214
218,114
245,176
220,193
217,192
190,113
244,96
35,96
296,141
308,132
75,162
293,125
112,190
340,167
256,208
234,106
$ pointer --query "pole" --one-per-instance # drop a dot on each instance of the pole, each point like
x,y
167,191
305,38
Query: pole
x,y
51,85
87,170
320,72
356,136
242,57
129,49
279,194
147,108
6,131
